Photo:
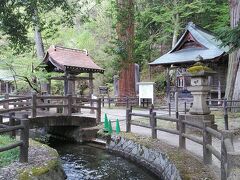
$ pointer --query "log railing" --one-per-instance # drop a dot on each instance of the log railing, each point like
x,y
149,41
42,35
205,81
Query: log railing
x,y
11,128
208,133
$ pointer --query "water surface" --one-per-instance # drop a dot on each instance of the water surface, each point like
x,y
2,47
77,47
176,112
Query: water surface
x,y
85,162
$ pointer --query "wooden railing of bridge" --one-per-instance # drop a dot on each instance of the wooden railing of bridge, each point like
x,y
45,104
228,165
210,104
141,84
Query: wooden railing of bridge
x,y
33,103
12,104
227,156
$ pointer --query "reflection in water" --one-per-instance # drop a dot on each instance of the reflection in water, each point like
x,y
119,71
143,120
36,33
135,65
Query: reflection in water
x,y
84,162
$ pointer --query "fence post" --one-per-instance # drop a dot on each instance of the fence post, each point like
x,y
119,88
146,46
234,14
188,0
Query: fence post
x,y
224,155
176,104
109,103
1,119
127,102
182,131
128,119
169,109
12,123
34,105
102,101
99,110
151,109
6,105
153,123
185,107
225,109
70,101
24,137
207,139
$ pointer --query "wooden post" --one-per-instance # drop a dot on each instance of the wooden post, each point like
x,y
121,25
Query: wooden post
x,y
24,137
127,102
109,102
1,119
185,107
219,92
6,105
224,159
151,109
65,83
176,108
128,119
176,104
169,109
153,123
207,139
70,101
12,123
225,109
91,91
102,101
182,130
168,85
98,110
34,105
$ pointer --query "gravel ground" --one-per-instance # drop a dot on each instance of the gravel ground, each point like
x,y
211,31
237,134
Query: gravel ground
x,y
39,155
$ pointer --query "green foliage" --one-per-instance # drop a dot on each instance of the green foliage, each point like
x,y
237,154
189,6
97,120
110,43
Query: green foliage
x,y
160,83
9,156
17,16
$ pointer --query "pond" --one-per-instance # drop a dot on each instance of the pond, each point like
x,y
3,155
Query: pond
x,y
85,162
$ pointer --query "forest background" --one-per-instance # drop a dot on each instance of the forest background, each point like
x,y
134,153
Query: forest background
x,y
91,25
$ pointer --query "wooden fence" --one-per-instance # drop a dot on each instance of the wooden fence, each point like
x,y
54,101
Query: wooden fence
x,y
209,133
11,128
118,101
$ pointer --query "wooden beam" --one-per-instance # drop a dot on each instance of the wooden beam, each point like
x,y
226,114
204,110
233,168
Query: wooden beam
x,y
70,78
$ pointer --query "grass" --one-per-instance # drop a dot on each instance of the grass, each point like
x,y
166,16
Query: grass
x,y
9,156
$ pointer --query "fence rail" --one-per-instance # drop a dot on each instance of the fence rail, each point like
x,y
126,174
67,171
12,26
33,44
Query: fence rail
x,y
206,140
23,143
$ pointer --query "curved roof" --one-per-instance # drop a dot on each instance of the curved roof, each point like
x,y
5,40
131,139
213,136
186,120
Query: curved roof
x,y
208,47
73,60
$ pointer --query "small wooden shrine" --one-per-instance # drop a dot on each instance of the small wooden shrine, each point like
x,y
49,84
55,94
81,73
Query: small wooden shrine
x,y
196,44
71,62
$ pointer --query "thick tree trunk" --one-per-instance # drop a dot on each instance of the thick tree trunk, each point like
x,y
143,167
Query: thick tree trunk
x,y
232,88
125,33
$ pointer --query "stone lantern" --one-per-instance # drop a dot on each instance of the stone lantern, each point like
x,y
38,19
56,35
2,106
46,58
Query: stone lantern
x,y
199,89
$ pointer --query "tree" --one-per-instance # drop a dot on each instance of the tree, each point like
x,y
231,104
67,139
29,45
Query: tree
x,y
232,87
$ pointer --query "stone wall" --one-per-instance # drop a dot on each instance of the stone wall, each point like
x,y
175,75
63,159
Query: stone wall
x,y
155,161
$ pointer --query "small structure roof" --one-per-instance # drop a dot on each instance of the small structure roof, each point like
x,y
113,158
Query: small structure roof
x,y
72,60
194,42
6,75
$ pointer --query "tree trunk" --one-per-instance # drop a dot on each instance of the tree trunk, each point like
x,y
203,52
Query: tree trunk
x,y
125,33
232,87
39,43
176,23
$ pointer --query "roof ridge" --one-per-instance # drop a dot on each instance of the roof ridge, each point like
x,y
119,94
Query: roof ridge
x,y
72,49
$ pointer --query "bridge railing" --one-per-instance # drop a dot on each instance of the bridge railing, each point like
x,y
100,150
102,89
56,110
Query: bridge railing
x,y
68,104
11,128
225,155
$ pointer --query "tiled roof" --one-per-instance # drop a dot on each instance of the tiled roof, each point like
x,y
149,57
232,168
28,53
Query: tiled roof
x,y
68,59
210,48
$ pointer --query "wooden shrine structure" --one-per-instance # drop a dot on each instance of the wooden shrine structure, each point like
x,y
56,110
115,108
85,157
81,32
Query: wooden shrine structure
x,y
70,62
196,44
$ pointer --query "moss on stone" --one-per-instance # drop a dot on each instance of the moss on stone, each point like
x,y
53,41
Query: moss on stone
x,y
41,170
198,68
